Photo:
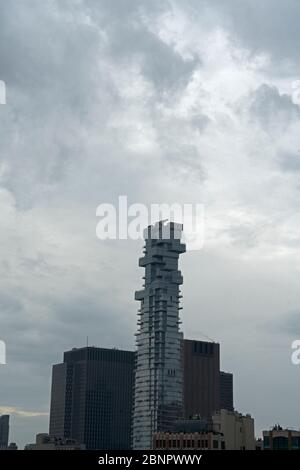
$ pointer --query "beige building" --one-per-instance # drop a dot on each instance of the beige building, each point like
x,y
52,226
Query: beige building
x,y
45,442
238,429
189,441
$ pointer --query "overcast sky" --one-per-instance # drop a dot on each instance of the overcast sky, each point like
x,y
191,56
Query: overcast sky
x,y
163,101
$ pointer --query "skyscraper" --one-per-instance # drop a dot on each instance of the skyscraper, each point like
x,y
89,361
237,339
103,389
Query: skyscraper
x,y
158,376
4,431
92,397
226,391
201,363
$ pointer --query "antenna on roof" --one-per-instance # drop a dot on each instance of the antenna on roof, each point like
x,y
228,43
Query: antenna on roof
x,y
87,341
207,337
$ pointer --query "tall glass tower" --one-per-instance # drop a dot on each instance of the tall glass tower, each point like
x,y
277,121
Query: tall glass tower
x,y
158,394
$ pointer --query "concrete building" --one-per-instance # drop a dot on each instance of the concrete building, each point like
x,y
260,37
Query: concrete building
x,y
258,444
281,439
238,429
45,442
204,440
4,431
158,400
226,391
201,371
12,446
190,434
92,398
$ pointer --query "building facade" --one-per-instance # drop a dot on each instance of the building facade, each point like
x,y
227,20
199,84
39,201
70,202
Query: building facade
x,y
226,391
238,429
201,366
4,431
281,439
158,399
190,434
92,398
46,442
204,440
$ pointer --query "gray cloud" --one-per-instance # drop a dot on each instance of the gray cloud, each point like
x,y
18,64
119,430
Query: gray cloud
x,y
164,102
270,26
290,162
273,108
290,323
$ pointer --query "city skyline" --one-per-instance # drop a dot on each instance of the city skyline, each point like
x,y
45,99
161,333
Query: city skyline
x,y
162,101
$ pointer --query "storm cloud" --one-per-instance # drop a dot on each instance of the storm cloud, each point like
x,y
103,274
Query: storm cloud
x,y
162,101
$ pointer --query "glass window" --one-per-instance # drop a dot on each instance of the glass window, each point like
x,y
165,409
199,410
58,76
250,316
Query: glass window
x,y
215,444
296,442
280,443
266,442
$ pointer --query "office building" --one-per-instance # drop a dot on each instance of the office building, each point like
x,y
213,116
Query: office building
x,y
201,366
226,391
4,431
92,396
158,399
238,429
281,439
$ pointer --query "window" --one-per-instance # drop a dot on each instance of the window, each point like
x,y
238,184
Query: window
x,y
266,442
295,442
280,443
215,444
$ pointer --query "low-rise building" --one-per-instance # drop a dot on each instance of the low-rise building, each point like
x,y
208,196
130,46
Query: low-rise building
x,y
258,444
281,439
46,442
12,446
204,440
238,429
190,434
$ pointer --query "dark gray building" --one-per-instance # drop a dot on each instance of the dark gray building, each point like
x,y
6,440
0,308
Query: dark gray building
x,y
4,431
92,398
226,391
201,384
158,378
